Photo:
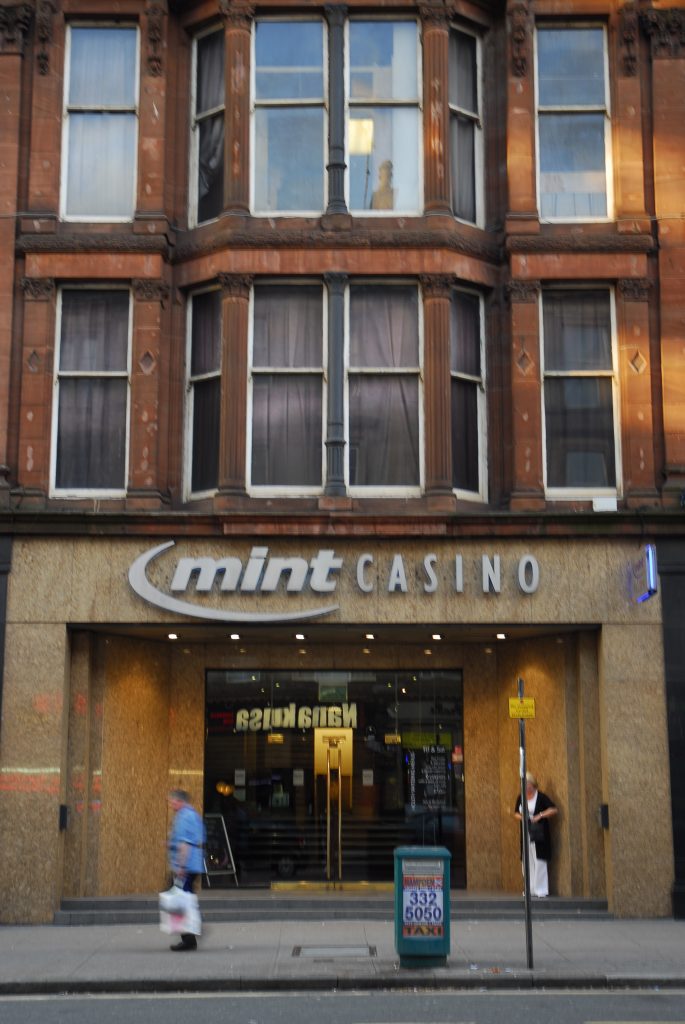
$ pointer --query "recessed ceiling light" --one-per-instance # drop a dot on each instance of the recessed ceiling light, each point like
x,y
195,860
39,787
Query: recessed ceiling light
x,y
299,636
242,650
173,636
501,636
404,689
437,636
366,650
427,650
235,636
488,650
370,636
302,650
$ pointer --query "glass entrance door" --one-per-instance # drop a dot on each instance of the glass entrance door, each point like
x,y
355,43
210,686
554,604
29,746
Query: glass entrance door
x,y
301,803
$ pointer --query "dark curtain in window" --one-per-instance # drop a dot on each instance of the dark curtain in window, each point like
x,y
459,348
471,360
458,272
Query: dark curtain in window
x,y
210,94
91,428
463,93
205,358
384,409
465,359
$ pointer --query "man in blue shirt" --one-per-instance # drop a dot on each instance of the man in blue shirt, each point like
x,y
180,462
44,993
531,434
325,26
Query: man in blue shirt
x,y
186,841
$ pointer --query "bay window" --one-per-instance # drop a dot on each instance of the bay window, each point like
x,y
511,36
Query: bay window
x,y
579,391
572,122
207,150
467,395
100,123
92,391
204,389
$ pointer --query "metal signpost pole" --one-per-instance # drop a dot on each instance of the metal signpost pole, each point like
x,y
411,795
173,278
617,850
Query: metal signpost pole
x,y
524,827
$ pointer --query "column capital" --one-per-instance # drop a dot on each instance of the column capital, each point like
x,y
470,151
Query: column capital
x,y
150,289
237,14
156,12
235,286
628,38
436,286
520,35
45,12
523,291
434,14
41,289
335,13
336,281
15,22
665,30
634,289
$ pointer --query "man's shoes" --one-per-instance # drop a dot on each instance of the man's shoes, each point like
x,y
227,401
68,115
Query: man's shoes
x,y
183,947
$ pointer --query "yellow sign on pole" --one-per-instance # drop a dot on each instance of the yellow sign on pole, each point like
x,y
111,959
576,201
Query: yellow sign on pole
x,y
522,707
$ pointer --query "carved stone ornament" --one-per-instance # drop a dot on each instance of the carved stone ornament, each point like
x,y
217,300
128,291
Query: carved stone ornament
x,y
15,21
634,289
523,291
236,286
628,34
39,288
434,14
45,12
237,13
665,31
436,286
156,13
520,35
150,290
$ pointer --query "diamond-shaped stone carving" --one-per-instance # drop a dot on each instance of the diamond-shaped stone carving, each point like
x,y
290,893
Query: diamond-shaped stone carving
x,y
638,362
524,362
33,362
147,363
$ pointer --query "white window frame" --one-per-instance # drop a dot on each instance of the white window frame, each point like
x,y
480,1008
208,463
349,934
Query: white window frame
x,y
583,493
570,110
481,494
373,490
477,120
417,104
95,492
190,382
293,490
256,105
195,123
67,109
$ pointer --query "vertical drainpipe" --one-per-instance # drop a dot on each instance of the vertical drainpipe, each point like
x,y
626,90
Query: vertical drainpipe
x,y
5,566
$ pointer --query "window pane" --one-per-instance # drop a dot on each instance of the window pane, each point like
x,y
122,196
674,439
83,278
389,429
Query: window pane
x,y
288,327
210,175
384,158
463,83
579,426
465,334
289,175
383,60
463,164
289,58
287,430
384,431
103,67
102,151
577,330
206,419
94,334
465,435
571,67
206,333
572,165
91,434
210,72
384,326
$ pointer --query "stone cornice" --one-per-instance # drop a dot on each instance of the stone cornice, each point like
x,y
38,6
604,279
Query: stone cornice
x,y
665,30
580,243
15,22
82,243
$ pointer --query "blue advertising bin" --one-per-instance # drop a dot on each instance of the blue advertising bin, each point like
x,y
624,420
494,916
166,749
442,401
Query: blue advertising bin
x,y
422,905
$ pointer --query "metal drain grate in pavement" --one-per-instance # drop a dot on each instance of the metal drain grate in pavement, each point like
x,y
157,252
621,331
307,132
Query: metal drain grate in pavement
x,y
334,952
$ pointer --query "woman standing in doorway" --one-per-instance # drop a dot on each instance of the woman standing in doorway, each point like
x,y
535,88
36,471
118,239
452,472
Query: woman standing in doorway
x,y
540,809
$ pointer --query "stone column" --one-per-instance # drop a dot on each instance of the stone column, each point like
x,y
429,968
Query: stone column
x,y
526,435
437,293
144,476
46,115
35,412
152,115
235,300
522,214
436,116
637,413
666,32
335,427
626,116
335,15
15,22
238,18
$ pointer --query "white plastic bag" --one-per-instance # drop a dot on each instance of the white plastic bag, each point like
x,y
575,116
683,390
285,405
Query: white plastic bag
x,y
173,900
179,912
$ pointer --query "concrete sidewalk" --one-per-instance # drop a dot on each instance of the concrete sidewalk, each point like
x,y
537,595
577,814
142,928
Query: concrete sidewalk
x,y
331,955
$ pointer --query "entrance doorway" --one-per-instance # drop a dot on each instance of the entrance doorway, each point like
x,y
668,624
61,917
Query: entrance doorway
x,y
320,775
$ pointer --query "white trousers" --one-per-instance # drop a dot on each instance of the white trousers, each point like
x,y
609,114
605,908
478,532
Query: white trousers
x,y
539,881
